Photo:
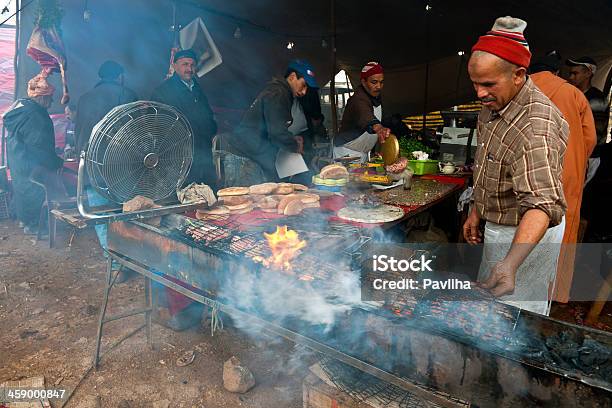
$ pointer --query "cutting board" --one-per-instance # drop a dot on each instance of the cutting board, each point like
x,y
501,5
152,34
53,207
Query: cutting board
x,y
384,213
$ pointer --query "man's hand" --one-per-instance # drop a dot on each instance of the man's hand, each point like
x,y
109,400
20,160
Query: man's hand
x,y
382,132
471,230
300,144
501,281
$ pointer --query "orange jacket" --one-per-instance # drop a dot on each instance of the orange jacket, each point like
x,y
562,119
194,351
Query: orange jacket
x,y
582,139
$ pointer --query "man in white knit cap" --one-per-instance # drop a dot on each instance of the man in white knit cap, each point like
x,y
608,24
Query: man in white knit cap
x,y
522,138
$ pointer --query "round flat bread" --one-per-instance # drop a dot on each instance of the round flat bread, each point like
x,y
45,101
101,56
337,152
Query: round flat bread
x,y
309,198
268,202
277,197
316,204
334,171
299,187
238,207
294,207
232,191
257,198
212,217
217,210
243,210
286,200
269,210
235,200
284,190
264,188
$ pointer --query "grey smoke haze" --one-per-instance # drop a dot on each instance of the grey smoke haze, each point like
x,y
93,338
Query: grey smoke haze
x,y
137,34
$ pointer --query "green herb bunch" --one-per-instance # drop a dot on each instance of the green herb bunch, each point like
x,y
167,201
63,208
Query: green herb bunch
x,y
410,144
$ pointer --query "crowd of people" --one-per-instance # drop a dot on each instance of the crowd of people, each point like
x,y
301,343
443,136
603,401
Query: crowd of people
x,y
536,133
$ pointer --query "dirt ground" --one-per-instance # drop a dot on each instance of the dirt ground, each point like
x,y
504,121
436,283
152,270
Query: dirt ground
x,y
49,304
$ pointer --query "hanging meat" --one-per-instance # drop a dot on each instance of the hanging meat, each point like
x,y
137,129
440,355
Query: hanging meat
x,y
46,46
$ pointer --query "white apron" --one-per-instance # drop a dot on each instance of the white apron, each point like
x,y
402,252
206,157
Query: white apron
x,y
534,276
362,145
291,163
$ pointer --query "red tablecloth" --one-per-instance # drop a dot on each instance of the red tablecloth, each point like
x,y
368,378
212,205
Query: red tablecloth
x,y
447,179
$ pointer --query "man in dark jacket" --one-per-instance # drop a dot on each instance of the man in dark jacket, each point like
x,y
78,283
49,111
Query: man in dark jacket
x,y
96,103
108,93
31,150
361,125
267,125
183,92
581,72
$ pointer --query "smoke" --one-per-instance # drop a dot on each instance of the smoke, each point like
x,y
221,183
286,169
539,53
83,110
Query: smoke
x,y
281,296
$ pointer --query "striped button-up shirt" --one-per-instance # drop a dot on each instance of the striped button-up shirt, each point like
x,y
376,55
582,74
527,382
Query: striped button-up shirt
x,y
519,159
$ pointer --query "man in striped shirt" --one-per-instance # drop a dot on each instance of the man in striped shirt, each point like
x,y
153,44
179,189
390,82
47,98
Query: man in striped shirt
x,y
522,138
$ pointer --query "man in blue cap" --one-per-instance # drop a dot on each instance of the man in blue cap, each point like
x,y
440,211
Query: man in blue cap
x,y
274,124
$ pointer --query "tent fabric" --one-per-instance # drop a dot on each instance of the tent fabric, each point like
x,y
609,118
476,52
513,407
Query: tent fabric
x,y
394,33
7,74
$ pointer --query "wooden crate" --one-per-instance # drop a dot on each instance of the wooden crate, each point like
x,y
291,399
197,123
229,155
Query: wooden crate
x,y
317,394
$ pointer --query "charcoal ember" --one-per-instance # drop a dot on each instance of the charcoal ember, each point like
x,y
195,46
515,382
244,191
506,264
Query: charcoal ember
x,y
584,354
563,344
592,353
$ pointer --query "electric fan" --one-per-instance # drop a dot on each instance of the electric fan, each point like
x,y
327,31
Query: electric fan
x,y
140,148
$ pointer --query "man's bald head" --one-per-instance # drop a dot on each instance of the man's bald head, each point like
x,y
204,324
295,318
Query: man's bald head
x,y
496,81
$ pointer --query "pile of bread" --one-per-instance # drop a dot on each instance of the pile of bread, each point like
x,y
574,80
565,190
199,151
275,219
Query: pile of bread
x,y
334,171
278,198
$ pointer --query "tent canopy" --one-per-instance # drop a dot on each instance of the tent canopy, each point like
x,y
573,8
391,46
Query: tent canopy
x,y
402,36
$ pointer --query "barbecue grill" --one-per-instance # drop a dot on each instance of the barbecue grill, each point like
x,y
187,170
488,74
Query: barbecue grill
x,y
450,351
474,349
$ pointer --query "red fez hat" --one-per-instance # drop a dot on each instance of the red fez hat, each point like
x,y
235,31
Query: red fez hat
x,y
371,68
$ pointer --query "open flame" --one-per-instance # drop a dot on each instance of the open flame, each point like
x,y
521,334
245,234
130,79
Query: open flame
x,y
285,245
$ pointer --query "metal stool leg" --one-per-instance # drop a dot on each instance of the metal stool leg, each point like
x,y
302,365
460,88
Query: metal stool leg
x,y
52,223
41,218
149,306
107,289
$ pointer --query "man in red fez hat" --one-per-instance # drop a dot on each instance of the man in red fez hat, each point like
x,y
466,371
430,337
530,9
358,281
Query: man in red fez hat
x,y
31,153
522,139
361,125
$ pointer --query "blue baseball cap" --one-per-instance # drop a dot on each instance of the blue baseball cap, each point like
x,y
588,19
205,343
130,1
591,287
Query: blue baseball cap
x,y
304,68
185,54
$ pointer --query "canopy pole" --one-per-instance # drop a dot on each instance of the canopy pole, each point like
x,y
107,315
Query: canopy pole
x,y
17,45
426,94
175,40
332,82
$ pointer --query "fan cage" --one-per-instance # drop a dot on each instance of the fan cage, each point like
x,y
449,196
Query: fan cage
x,y
140,148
